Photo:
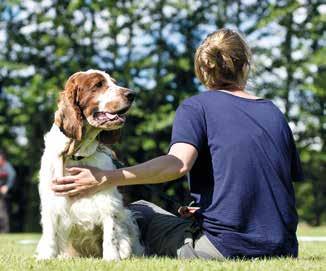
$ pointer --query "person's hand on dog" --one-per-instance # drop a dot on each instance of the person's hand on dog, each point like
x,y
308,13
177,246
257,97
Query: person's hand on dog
x,y
81,182
187,211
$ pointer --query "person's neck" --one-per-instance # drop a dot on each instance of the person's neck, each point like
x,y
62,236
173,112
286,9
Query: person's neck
x,y
240,93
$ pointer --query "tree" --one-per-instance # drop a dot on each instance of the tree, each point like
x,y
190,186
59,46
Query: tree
x,y
149,46
294,70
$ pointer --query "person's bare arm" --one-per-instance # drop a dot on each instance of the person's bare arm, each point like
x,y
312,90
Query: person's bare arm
x,y
175,164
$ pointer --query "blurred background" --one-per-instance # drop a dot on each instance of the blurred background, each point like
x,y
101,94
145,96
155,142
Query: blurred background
x,y
149,45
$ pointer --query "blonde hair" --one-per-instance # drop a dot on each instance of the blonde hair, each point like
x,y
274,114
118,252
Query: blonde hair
x,y
222,61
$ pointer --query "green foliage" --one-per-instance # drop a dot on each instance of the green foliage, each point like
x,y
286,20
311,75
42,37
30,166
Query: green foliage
x,y
149,47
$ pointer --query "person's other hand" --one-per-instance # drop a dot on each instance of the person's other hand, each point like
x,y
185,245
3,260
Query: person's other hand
x,y
80,183
4,189
186,211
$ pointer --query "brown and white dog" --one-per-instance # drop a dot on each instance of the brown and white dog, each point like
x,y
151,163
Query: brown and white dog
x,y
91,110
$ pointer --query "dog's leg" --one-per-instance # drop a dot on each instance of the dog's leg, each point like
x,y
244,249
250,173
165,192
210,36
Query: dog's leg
x,y
133,231
129,237
47,247
64,223
125,233
125,242
110,242
64,246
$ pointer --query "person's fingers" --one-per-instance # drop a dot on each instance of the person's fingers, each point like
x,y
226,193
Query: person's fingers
x,y
186,212
80,191
63,187
85,180
74,170
83,192
180,210
65,180
183,210
70,193
192,209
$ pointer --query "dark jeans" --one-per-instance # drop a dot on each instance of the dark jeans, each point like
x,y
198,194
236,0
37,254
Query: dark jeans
x,y
165,234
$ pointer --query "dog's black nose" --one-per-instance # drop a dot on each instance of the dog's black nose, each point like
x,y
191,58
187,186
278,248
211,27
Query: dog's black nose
x,y
130,95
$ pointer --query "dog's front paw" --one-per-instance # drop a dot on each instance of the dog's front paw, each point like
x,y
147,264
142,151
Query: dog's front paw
x,y
111,255
45,252
64,256
40,256
125,249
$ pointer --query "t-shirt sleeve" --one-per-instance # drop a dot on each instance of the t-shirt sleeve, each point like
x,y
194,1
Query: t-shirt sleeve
x,y
189,125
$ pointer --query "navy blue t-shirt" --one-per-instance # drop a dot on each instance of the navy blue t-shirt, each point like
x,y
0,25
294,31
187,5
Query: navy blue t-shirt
x,y
242,178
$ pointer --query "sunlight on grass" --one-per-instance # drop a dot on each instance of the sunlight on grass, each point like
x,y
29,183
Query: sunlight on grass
x,y
16,254
307,230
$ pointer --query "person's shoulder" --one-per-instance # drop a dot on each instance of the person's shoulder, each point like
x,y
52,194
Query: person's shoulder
x,y
278,116
191,105
276,110
197,100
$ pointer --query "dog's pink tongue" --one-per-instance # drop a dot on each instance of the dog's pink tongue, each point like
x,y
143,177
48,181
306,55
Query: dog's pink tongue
x,y
110,116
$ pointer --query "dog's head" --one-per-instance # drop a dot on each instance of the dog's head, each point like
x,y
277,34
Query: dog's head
x,y
93,97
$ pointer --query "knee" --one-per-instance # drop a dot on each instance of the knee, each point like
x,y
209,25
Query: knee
x,y
141,203
142,210
142,206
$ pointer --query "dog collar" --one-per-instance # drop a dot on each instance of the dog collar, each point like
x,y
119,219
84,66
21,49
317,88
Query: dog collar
x,y
77,158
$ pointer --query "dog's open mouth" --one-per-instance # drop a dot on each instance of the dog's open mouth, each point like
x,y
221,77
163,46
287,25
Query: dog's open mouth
x,y
119,116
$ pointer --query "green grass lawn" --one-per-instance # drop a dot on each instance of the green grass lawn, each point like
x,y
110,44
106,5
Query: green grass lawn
x,y
17,256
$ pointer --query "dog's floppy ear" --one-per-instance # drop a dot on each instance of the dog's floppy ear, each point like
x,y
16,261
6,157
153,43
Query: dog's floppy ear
x,y
110,137
68,117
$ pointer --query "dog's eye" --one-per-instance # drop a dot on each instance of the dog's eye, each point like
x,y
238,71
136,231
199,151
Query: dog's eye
x,y
99,84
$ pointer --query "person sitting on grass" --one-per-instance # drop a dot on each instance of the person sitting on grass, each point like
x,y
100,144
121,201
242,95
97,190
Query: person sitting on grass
x,y
241,158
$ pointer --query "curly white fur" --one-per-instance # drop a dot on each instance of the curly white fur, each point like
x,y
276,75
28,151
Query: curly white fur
x,y
96,225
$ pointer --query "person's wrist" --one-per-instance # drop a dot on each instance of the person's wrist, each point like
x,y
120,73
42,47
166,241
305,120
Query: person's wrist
x,y
99,175
102,177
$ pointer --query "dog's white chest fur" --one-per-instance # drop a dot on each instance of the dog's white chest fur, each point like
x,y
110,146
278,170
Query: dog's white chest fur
x,y
96,225
91,206
90,211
